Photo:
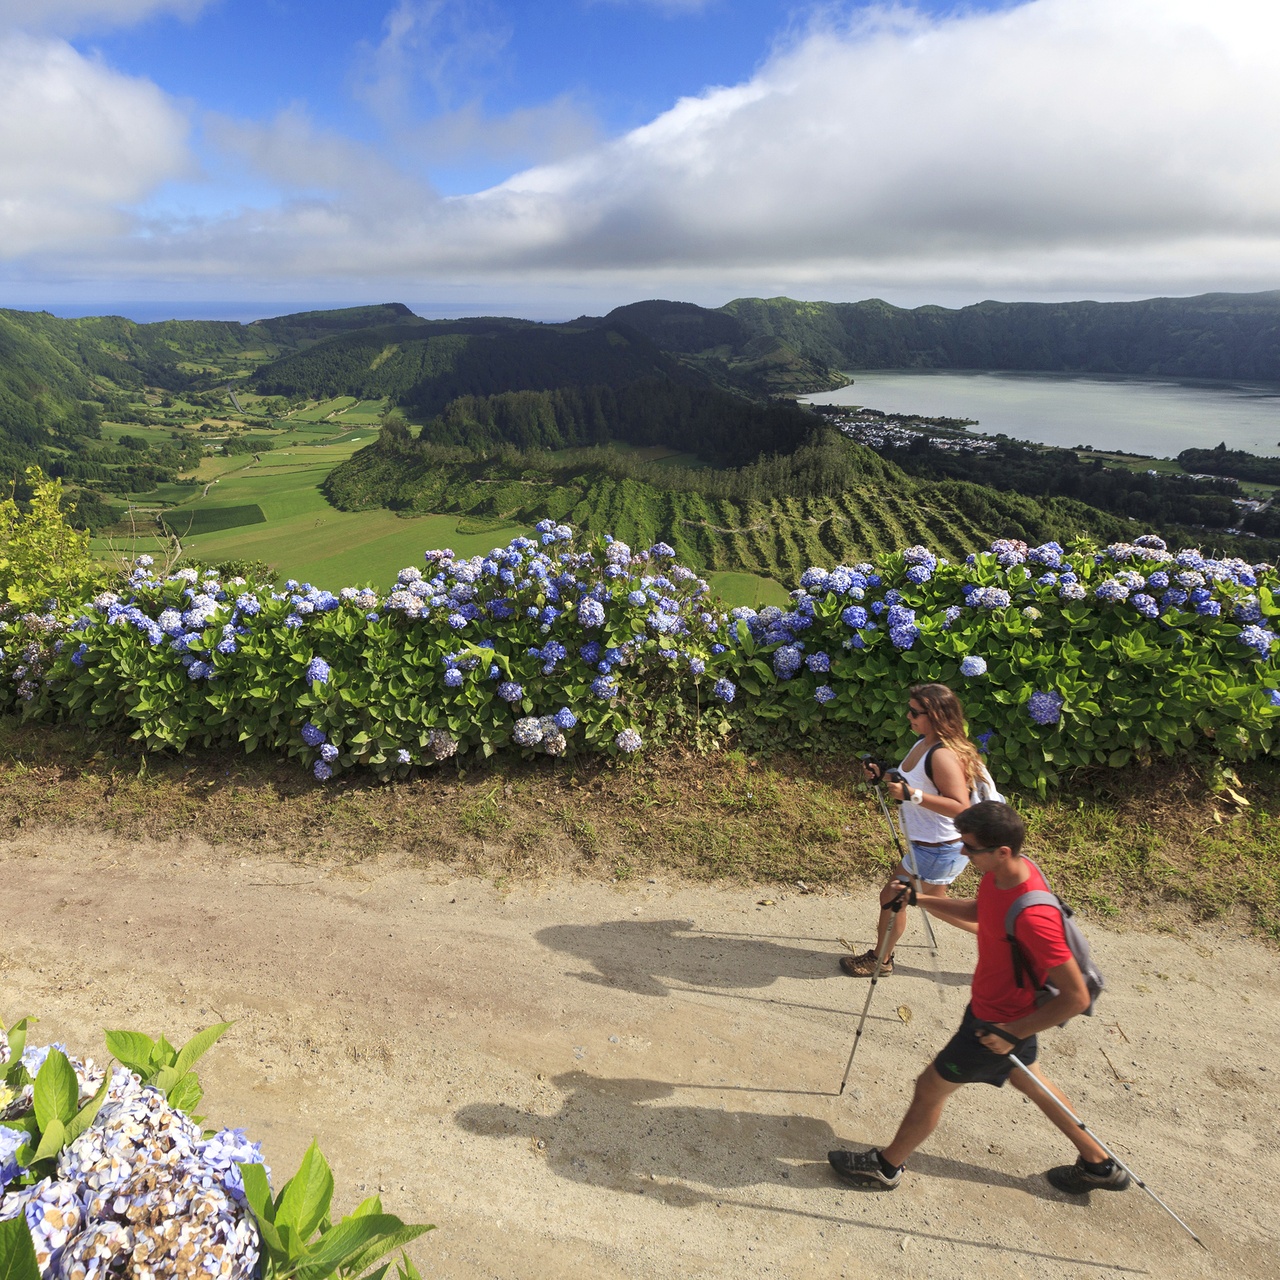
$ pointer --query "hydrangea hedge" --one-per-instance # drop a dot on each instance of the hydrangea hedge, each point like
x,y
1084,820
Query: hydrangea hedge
x,y
561,644
103,1173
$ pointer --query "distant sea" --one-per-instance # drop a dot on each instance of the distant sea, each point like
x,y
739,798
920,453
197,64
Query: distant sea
x,y
1154,417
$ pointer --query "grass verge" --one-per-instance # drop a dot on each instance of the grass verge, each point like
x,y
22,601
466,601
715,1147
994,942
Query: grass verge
x,y
1159,845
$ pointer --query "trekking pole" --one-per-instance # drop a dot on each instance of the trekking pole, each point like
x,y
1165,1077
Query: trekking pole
x,y
1062,1106
895,906
909,863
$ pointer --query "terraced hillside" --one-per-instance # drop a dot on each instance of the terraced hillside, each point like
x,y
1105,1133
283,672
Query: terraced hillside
x,y
825,504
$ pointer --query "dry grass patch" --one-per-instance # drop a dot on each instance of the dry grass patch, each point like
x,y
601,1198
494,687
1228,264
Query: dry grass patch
x,y
1159,841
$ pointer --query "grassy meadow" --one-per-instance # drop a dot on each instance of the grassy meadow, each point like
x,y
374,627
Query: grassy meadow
x,y
269,506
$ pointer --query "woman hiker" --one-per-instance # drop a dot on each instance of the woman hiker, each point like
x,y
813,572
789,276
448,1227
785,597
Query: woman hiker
x,y
943,772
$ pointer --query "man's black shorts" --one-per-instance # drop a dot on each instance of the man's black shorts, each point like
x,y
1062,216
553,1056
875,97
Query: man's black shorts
x,y
966,1060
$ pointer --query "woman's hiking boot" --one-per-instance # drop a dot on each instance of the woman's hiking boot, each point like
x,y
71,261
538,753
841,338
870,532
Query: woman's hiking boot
x,y
864,966
1081,1177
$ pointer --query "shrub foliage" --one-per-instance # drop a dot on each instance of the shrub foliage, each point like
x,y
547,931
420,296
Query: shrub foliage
x,y
563,643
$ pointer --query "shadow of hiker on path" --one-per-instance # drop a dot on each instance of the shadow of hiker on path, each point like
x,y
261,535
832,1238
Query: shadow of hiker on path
x,y
644,956
609,1133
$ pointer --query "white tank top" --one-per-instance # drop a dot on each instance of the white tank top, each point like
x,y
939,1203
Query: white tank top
x,y
918,822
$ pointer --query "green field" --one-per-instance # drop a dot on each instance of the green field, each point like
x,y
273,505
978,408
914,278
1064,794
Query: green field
x,y
294,528
749,589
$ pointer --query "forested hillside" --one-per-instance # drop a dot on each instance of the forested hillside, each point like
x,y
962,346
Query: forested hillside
x,y
714,425
1217,335
1213,336
424,367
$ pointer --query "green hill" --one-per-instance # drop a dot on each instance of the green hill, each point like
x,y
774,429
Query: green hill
x,y
1216,335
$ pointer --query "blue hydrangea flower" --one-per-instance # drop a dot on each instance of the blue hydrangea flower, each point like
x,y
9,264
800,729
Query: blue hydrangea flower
x,y
697,666
1111,591
990,598
1209,609
973,666
818,663
1048,554
312,735
824,693
919,574
1259,639
604,687
1159,580
984,741
628,740
565,719
1009,551
321,771
1045,708
1145,605
402,756
10,1141
724,689
1274,696
786,661
590,612
318,671
1174,598
950,617
509,691
453,678
328,753
1071,590
1248,610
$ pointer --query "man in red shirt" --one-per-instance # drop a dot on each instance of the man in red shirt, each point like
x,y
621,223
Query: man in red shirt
x,y
993,835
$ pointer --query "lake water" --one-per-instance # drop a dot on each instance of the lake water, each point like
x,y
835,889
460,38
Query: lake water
x,y
1134,415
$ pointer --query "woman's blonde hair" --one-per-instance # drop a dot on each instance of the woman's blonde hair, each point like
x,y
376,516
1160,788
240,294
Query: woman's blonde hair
x,y
946,715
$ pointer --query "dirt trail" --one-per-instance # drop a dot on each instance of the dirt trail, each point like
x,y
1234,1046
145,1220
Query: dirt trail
x,y
583,1080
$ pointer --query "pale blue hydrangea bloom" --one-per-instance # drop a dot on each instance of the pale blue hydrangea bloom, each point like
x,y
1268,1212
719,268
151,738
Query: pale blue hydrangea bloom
x,y
973,666
628,740
824,693
724,689
318,671
312,735
321,771
328,753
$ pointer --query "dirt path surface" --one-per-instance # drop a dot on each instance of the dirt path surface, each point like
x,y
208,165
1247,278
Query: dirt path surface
x,y
584,1080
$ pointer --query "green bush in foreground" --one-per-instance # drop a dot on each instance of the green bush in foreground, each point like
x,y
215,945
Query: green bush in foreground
x,y
103,1173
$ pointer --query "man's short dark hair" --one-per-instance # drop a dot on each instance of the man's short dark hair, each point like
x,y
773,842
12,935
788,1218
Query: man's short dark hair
x,y
993,824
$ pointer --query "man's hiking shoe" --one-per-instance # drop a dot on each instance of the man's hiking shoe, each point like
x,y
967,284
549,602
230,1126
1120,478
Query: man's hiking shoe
x,y
863,1166
864,966
1076,1179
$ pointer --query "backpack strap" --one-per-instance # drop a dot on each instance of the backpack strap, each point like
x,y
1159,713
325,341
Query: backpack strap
x,y
928,761
1032,898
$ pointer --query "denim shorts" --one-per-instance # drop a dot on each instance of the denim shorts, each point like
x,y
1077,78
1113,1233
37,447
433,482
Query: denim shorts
x,y
937,864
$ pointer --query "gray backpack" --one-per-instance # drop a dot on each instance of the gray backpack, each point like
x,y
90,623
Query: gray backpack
x,y
1079,947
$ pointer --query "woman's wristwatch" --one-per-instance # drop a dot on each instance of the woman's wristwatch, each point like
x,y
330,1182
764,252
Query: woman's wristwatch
x,y
916,797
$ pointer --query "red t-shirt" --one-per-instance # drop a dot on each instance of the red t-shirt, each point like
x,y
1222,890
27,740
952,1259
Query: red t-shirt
x,y
996,995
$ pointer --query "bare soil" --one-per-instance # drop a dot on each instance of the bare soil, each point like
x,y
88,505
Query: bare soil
x,y
579,1079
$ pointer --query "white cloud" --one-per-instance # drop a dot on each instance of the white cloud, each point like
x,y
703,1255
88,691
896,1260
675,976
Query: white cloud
x,y
67,17
1061,146
78,144
446,46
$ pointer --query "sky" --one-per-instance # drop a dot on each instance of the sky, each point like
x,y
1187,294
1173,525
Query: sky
x,y
246,157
